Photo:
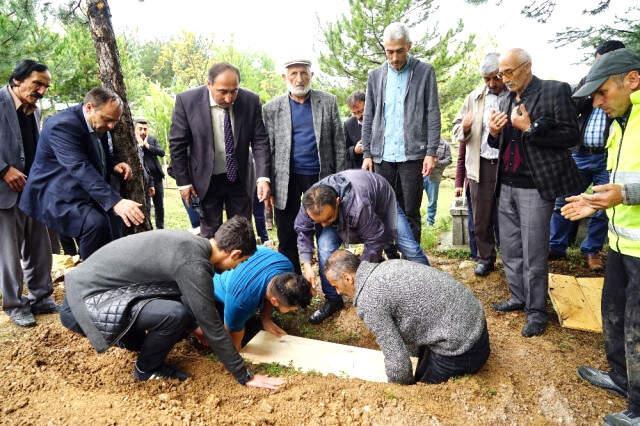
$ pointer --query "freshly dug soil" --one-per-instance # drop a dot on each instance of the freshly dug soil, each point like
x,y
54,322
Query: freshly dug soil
x,y
51,376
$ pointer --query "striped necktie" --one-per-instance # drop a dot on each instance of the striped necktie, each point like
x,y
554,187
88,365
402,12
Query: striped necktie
x,y
232,164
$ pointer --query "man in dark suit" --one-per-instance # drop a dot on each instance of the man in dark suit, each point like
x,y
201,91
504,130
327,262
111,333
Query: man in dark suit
x,y
534,129
353,131
21,237
69,184
151,150
212,128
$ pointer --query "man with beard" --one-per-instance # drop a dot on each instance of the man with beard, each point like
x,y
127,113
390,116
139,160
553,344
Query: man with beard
x,y
23,238
471,129
307,144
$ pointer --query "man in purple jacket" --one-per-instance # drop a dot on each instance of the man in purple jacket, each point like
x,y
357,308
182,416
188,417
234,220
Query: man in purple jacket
x,y
353,206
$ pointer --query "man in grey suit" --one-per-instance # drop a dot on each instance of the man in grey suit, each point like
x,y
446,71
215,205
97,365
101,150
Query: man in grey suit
x,y
23,238
212,129
307,144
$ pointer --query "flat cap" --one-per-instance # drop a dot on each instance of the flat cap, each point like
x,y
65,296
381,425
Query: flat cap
x,y
305,62
616,62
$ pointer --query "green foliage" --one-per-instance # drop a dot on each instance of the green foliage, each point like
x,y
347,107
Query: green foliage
x,y
354,46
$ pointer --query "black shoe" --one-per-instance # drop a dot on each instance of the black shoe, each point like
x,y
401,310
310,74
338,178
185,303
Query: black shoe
x,y
624,418
165,372
556,255
48,307
329,308
531,329
601,379
483,269
23,319
508,306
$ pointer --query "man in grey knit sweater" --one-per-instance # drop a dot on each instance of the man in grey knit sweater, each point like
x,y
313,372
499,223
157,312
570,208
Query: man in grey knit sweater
x,y
414,310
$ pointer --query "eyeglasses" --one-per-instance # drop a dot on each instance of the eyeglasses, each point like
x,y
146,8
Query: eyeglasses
x,y
509,73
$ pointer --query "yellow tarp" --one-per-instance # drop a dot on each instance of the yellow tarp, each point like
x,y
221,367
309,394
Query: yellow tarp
x,y
62,264
577,301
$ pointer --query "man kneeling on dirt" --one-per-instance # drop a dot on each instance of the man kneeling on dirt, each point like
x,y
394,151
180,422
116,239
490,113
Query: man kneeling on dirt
x,y
145,292
263,282
353,206
414,309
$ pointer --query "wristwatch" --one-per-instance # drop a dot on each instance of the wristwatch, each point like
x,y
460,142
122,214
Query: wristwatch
x,y
531,129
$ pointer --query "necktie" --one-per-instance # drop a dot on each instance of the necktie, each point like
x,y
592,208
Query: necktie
x,y
101,155
232,164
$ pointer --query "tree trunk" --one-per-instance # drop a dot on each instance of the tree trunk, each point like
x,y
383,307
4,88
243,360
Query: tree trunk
x,y
124,141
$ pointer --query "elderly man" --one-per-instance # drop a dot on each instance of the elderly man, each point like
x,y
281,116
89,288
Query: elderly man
x,y
353,206
591,158
353,130
23,238
407,317
401,128
471,129
151,150
212,129
69,186
533,130
614,85
307,144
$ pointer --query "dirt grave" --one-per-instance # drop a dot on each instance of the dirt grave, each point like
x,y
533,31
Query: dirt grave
x,y
52,377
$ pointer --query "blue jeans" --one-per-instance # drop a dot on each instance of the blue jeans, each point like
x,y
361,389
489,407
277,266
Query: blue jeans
x,y
258,217
431,188
593,169
329,241
194,217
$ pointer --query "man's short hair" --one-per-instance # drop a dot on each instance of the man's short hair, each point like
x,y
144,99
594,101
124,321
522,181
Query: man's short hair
x,y
355,97
236,234
609,46
292,290
319,196
490,64
396,31
141,121
219,68
99,96
340,262
24,69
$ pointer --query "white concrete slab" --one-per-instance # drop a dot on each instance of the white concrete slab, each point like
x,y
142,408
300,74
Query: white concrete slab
x,y
310,355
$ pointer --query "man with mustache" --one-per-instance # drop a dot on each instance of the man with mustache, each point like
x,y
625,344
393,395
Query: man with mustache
x,y
307,144
533,129
22,238
401,127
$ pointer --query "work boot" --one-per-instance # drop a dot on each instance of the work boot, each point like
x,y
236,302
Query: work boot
x,y
23,318
45,307
594,262
601,379
164,372
329,308
483,269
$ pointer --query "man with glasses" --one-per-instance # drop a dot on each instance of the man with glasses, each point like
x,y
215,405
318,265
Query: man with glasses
x,y
471,129
533,130
68,188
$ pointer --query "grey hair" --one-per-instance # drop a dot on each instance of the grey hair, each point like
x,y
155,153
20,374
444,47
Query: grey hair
x,y
490,64
342,261
521,54
98,96
396,31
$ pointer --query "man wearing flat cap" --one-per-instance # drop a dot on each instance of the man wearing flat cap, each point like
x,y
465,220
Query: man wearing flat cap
x,y
614,85
307,144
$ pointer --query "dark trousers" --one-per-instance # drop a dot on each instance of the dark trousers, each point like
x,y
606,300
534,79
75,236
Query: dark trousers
x,y
158,203
222,194
406,180
434,368
287,237
473,247
251,327
485,210
160,324
99,228
621,323
258,217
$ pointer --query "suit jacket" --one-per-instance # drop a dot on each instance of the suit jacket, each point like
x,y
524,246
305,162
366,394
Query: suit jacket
x,y
352,135
11,147
150,158
65,183
329,138
191,138
555,130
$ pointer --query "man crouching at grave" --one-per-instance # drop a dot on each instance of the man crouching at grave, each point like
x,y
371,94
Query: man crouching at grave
x,y
414,310
263,282
145,292
353,206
